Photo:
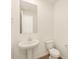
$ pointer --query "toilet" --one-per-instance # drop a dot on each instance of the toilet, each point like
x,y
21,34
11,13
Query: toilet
x,y
54,53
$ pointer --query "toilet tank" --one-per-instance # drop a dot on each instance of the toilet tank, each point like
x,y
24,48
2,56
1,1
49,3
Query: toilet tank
x,y
49,44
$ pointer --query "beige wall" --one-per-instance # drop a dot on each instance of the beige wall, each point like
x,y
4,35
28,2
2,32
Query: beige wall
x,y
45,30
60,27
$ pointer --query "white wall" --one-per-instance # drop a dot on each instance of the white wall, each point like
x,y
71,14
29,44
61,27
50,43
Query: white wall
x,y
15,28
60,29
45,28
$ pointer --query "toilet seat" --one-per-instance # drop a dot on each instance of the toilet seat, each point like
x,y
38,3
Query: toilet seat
x,y
54,52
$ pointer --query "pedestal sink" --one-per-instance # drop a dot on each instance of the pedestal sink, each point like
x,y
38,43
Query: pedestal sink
x,y
29,45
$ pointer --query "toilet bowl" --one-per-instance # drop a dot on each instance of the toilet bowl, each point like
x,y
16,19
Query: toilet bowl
x,y
54,53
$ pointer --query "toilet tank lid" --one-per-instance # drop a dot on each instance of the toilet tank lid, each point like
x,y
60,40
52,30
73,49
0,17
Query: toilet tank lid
x,y
49,41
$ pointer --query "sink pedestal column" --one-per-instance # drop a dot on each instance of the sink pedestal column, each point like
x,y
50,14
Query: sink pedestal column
x,y
29,54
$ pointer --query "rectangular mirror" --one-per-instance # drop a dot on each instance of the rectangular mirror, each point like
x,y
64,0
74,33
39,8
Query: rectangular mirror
x,y
28,17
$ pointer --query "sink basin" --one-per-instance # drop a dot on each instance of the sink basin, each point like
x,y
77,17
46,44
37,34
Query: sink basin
x,y
28,44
